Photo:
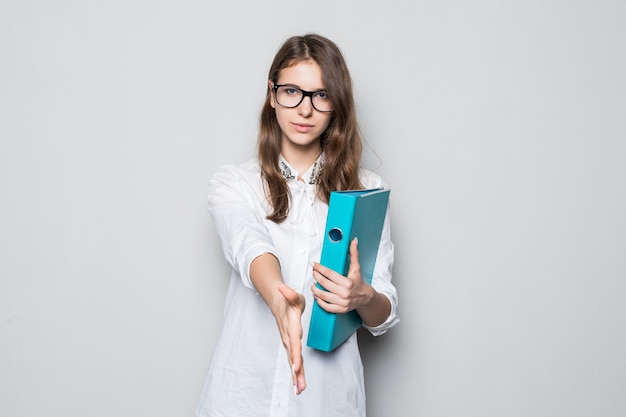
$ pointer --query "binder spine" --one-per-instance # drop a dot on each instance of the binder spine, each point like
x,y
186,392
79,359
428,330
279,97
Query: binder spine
x,y
338,233
337,245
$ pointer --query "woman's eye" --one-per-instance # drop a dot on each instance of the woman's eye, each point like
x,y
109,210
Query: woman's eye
x,y
322,95
291,91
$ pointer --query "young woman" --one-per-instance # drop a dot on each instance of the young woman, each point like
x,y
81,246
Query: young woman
x,y
270,214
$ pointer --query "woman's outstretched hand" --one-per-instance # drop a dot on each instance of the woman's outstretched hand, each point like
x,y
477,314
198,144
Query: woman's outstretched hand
x,y
286,306
288,318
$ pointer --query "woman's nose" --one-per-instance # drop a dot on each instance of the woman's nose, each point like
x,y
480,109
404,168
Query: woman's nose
x,y
306,107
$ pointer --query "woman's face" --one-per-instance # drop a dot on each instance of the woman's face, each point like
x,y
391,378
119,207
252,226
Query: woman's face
x,y
302,125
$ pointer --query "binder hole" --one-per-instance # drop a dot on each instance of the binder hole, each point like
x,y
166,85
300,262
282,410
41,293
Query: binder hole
x,y
335,234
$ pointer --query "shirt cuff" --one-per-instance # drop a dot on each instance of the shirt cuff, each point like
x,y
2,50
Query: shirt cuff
x,y
391,321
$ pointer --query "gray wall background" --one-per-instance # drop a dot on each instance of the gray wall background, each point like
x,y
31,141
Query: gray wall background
x,y
499,125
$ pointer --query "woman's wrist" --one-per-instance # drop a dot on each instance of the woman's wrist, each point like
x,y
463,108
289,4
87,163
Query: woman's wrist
x,y
375,311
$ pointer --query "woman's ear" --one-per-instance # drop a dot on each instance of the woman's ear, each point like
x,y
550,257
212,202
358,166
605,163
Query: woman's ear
x,y
272,96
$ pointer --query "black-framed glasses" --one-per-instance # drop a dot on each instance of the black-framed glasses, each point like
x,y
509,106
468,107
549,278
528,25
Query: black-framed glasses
x,y
290,96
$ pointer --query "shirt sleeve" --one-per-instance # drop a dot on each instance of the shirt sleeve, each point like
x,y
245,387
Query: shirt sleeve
x,y
382,276
238,211
381,279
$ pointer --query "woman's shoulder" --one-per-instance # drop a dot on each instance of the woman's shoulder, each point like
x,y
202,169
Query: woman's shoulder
x,y
246,169
370,179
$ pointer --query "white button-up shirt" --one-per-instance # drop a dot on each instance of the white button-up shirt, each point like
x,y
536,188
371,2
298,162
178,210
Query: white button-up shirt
x,y
249,373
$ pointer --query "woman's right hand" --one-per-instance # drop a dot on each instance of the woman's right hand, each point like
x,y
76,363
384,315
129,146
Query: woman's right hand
x,y
286,306
287,311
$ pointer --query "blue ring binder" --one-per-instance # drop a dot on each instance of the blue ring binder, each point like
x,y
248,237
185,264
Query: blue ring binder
x,y
352,213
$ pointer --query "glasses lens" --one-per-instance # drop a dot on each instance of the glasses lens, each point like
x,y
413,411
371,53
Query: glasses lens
x,y
288,96
321,101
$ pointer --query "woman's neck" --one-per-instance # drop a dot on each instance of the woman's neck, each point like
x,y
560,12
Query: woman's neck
x,y
301,159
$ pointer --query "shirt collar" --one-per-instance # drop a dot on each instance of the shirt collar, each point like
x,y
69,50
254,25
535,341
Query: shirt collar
x,y
310,176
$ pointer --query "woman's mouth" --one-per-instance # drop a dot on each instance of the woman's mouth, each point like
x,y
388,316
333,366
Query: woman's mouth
x,y
302,128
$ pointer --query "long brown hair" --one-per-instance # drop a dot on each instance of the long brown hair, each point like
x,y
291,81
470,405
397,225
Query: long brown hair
x,y
341,141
